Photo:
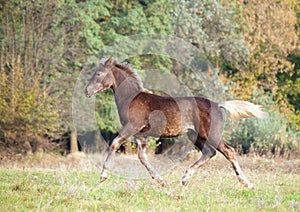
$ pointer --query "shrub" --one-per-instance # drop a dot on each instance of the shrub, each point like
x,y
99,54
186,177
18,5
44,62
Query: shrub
x,y
266,136
26,109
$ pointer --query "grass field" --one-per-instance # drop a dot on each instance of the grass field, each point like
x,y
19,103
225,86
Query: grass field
x,y
213,188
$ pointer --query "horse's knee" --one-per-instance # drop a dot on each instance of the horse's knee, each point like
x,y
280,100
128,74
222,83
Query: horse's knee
x,y
141,157
231,153
141,154
115,145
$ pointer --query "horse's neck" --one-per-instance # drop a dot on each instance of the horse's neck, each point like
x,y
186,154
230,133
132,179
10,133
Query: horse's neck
x,y
125,88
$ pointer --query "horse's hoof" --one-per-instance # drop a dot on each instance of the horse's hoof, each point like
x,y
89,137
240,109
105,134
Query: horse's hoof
x,y
163,183
250,186
102,179
184,182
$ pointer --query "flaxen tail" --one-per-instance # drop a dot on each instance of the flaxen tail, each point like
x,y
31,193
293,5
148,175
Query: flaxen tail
x,y
242,109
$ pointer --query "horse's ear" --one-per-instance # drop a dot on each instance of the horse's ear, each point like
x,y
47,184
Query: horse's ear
x,y
109,61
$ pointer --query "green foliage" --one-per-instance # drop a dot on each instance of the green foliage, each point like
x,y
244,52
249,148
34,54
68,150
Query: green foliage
x,y
26,109
106,113
212,28
266,136
89,14
289,93
255,44
270,36
273,40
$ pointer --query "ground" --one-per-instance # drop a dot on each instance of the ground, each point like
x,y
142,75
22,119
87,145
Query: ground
x,y
52,183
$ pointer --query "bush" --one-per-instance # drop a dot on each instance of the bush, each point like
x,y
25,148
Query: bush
x,y
26,109
266,136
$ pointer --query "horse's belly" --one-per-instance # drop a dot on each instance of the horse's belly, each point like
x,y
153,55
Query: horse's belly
x,y
172,130
161,132
159,125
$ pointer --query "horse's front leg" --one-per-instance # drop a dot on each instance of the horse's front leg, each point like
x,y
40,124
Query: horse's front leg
x,y
141,142
125,133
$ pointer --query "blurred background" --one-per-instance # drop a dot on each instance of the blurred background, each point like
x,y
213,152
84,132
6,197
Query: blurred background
x,y
253,47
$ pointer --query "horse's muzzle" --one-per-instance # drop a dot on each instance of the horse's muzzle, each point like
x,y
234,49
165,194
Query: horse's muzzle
x,y
88,94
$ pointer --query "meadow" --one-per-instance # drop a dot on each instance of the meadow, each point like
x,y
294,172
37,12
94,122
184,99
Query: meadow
x,y
68,185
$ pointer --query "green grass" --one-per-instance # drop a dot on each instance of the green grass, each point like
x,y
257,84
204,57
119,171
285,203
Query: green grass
x,y
211,189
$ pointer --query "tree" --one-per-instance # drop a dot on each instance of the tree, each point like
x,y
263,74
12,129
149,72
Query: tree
x,y
38,40
270,36
26,109
212,28
270,30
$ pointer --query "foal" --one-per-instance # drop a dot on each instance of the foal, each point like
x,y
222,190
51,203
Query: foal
x,y
145,114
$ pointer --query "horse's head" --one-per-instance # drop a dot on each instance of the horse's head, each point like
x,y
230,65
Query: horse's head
x,y
102,78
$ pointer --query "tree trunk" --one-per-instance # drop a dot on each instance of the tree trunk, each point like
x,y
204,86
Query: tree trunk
x,y
73,142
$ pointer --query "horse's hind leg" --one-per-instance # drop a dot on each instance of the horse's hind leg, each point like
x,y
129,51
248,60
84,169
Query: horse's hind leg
x,y
207,153
144,160
230,154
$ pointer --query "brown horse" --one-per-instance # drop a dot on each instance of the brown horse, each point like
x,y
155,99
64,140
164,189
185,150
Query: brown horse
x,y
145,114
